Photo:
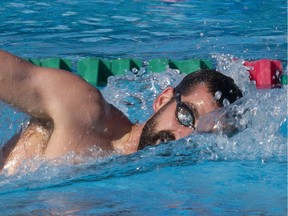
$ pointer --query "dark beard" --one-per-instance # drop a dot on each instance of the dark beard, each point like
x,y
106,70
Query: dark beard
x,y
150,136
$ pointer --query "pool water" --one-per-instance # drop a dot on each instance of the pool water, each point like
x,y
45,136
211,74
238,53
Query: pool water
x,y
203,174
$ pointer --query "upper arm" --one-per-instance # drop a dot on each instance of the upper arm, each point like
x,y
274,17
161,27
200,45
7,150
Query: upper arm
x,y
66,98
16,82
45,92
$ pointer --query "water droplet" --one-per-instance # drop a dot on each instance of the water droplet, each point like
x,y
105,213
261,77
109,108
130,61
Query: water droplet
x,y
217,95
134,70
226,102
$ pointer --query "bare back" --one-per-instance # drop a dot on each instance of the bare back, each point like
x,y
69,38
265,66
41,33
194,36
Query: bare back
x,y
71,114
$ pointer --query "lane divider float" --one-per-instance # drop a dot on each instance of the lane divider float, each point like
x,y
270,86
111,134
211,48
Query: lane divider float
x,y
266,73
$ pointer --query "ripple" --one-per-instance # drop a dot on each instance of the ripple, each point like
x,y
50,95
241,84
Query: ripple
x,y
16,5
59,27
69,13
29,12
93,39
126,18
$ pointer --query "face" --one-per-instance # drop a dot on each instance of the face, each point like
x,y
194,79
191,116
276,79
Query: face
x,y
164,125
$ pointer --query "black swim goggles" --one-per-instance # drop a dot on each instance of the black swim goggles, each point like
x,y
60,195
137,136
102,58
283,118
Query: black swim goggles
x,y
184,113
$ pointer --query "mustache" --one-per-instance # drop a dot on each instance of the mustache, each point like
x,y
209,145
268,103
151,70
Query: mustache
x,y
163,136
157,138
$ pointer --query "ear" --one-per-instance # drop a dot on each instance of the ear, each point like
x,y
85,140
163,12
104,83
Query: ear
x,y
163,98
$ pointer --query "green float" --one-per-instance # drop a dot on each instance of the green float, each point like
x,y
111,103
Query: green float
x,y
96,71
58,63
284,80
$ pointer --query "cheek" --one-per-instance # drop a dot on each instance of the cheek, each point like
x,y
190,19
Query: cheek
x,y
182,132
167,118
168,121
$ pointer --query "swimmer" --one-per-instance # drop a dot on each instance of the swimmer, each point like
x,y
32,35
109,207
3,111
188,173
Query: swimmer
x,y
69,115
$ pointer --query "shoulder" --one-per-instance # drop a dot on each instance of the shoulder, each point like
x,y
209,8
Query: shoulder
x,y
67,97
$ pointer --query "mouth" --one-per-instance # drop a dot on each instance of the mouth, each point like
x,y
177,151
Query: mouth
x,y
164,137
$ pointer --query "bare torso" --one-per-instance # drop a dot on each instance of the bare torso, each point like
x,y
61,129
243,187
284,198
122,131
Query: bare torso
x,y
28,144
33,141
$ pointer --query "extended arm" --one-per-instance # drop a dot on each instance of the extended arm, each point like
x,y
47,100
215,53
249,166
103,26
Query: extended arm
x,y
41,92
17,85
76,109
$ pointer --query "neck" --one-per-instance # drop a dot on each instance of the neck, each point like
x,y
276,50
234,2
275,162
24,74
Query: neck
x,y
130,141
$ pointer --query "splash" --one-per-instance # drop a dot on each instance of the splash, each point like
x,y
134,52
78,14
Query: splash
x,y
233,67
135,92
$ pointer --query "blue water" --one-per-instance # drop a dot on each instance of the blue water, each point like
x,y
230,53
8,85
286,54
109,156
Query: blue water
x,y
201,175
135,28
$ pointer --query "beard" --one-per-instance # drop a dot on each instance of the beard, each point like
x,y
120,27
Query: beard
x,y
150,135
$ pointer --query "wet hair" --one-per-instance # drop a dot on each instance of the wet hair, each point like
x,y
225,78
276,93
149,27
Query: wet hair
x,y
219,85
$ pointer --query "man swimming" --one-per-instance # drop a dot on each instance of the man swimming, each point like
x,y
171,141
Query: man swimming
x,y
69,115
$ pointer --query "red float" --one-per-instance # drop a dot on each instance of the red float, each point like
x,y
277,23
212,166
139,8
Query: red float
x,y
265,72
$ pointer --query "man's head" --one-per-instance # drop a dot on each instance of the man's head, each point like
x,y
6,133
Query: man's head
x,y
178,110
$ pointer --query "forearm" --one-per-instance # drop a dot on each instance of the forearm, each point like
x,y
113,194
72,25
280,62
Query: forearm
x,y
13,72
16,84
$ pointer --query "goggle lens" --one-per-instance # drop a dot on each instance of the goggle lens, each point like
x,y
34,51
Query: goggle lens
x,y
184,113
185,117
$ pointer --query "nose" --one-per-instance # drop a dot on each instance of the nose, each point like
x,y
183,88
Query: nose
x,y
182,132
